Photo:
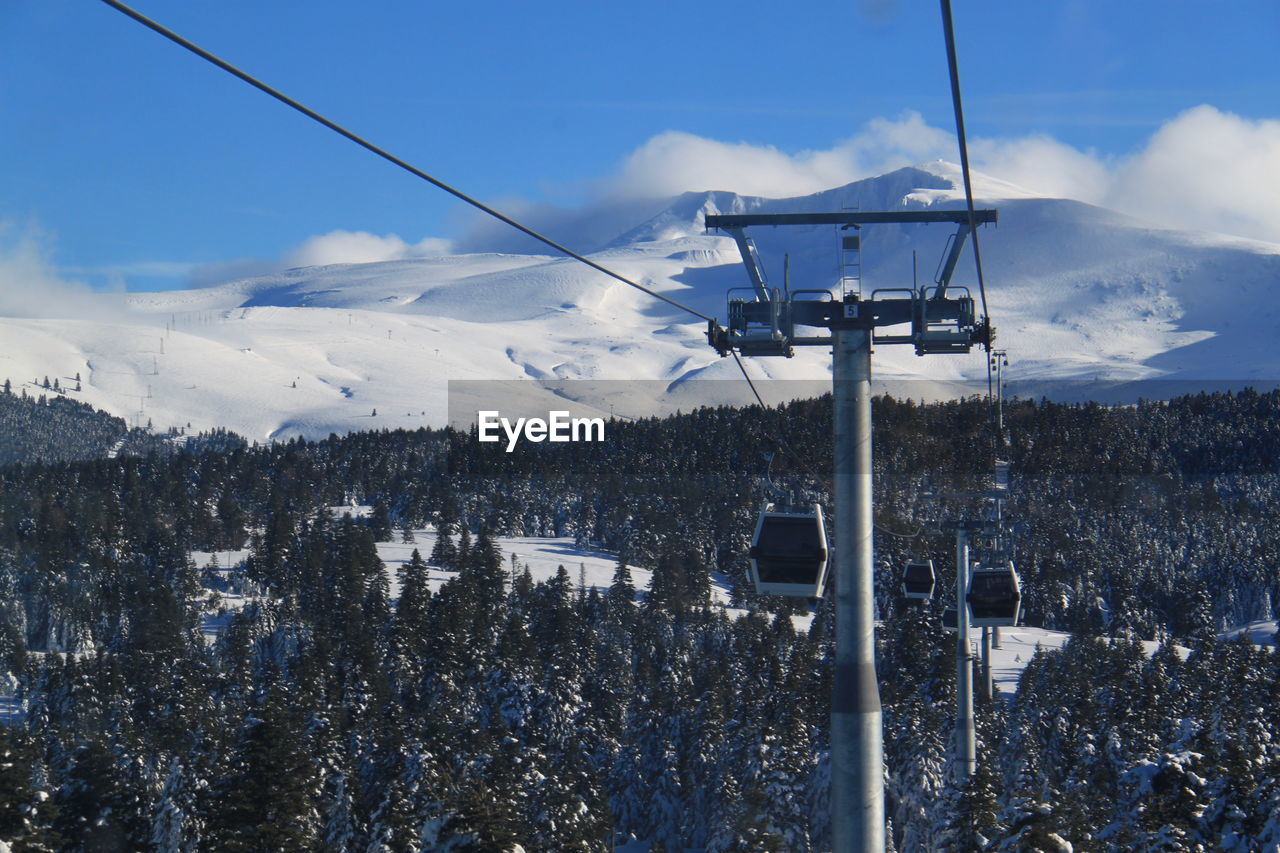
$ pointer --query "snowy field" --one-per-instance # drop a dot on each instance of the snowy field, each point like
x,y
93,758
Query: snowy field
x,y
1084,294
1017,645
591,568
222,559
541,556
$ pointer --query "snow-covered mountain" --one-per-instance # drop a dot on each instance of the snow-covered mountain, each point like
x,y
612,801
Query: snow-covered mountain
x,y
1076,292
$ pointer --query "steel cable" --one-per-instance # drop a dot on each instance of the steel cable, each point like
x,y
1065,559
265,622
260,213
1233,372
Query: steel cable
x,y
391,158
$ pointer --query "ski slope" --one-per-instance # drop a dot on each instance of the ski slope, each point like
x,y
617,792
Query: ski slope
x,y
1078,293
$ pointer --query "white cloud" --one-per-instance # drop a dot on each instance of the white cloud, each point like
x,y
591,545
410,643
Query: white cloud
x,y
1042,165
335,247
1203,169
361,247
30,287
674,162
1206,169
884,144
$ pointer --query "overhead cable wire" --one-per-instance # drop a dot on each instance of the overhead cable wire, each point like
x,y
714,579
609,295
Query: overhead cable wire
x,y
991,398
888,532
747,377
391,158
782,443
953,67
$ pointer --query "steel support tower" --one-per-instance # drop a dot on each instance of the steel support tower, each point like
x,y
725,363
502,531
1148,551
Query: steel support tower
x,y
938,319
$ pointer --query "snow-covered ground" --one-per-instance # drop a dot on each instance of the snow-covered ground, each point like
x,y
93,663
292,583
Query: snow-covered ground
x,y
1077,292
222,559
542,557
588,567
1262,633
1017,645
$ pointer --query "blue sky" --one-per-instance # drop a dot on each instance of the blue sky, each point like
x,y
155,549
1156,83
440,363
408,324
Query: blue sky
x,y
131,163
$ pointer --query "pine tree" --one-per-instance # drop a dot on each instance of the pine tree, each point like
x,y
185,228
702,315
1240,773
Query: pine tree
x,y
264,799
97,810
380,521
339,831
412,611
622,591
462,561
27,813
173,827
444,553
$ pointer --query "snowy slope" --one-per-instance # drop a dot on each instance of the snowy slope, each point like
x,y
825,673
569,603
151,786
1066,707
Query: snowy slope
x,y
1077,292
1261,633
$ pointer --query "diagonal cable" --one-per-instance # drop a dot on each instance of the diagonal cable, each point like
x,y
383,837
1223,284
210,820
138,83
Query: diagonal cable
x,y
782,443
953,67
391,158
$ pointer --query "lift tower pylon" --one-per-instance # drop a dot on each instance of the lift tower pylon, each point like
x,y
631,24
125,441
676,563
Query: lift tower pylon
x,y
763,321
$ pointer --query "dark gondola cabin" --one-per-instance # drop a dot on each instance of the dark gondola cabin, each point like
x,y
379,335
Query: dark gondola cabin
x,y
950,620
789,552
918,580
995,597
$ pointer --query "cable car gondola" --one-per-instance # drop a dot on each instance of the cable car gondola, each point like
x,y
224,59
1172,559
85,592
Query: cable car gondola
x,y
789,552
918,580
995,596
950,620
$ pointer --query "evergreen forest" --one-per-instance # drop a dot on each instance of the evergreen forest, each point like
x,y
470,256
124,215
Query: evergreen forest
x,y
499,713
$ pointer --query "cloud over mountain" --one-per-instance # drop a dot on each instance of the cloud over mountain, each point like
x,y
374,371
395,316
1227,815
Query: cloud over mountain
x,y
361,247
30,285
1204,169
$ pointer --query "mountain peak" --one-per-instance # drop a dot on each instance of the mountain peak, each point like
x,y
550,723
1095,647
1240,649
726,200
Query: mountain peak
x,y
936,183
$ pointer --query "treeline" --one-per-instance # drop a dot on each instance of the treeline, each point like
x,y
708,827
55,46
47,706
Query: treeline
x,y
1157,518
50,428
328,715
53,428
